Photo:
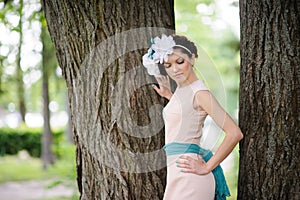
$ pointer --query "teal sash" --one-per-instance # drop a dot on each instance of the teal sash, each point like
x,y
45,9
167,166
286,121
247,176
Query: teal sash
x,y
174,148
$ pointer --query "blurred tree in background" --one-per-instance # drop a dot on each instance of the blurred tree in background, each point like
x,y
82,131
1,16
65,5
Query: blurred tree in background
x,y
30,65
26,61
15,77
19,70
49,64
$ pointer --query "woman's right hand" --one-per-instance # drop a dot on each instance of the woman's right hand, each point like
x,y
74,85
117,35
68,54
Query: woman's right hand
x,y
164,89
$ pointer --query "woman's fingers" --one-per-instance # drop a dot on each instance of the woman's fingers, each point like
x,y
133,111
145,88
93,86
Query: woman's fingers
x,y
200,158
190,165
155,88
163,81
185,162
182,163
164,87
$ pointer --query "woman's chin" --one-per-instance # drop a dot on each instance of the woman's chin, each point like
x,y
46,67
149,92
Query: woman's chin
x,y
180,80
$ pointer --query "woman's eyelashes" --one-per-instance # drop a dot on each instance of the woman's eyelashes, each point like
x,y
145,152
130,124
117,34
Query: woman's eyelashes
x,y
178,62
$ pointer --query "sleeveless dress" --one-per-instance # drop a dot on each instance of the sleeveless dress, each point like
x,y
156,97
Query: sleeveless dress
x,y
183,124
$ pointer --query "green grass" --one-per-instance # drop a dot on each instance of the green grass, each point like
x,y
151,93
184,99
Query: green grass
x,y
13,168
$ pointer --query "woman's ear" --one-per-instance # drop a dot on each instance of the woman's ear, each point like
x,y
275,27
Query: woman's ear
x,y
193,59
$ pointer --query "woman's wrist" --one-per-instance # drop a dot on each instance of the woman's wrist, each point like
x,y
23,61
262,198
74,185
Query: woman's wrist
x,y
168,96
210,166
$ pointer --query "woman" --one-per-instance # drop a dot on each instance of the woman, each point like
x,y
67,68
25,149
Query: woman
x,y
192,172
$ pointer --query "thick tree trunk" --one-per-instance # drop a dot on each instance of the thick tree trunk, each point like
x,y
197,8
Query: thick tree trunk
x,y
116,115
270,100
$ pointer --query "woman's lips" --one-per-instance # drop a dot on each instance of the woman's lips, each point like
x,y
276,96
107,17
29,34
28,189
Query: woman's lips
x,y
178,75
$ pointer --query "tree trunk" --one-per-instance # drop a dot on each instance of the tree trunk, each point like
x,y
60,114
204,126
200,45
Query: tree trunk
x,y
116,115
19,71
47,137
270,100
68,131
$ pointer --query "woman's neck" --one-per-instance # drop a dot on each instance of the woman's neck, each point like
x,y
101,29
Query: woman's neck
x,y
188,81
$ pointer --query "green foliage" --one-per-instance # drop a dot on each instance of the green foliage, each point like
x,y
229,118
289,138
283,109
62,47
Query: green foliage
x,y
33,20
14,140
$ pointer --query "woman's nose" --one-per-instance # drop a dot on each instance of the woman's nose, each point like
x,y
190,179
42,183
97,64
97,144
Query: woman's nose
x,y
175,68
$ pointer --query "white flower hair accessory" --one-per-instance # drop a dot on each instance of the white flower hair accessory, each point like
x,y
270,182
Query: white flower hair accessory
x,y
158,53
151,66
162,48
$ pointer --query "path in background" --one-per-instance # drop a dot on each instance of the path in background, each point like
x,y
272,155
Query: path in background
x,y
33,190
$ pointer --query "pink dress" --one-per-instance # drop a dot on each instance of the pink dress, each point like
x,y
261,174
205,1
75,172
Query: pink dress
x,y
184,124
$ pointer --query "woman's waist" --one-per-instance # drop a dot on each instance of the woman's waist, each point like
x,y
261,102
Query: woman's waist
x,y
183,133
171,159
175,148
191,139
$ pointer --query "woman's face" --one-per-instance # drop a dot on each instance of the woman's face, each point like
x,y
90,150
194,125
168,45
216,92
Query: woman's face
x,y
179,67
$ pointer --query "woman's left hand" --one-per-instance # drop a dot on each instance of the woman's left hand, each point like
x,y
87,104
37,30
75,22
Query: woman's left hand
x,y
191,165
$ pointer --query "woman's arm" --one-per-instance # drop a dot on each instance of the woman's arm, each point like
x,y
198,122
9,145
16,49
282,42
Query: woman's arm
x,y
204,100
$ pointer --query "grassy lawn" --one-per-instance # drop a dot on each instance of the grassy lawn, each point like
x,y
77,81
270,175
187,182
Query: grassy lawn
x,y
15,168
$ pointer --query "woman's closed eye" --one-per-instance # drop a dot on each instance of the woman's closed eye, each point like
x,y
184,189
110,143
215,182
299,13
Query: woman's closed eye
x,y
167,65
180,62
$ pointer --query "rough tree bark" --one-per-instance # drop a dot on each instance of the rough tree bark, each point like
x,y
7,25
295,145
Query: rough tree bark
x,y
116,116
270,100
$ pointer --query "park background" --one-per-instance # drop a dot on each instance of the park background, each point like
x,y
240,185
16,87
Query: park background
x,y
212,25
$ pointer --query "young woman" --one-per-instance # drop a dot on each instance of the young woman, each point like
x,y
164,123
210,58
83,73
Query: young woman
x,y
192,172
